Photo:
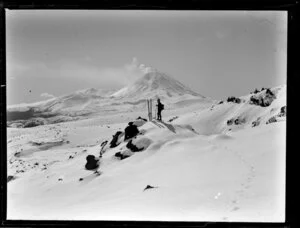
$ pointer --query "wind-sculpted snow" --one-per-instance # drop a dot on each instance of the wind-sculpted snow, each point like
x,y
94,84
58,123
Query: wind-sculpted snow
x,y
199,167
211,178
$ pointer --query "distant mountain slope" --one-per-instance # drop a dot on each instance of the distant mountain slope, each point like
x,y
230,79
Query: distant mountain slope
x,y
156,84
153,84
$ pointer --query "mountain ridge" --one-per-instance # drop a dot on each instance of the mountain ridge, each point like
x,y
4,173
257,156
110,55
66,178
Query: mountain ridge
x,y
155,84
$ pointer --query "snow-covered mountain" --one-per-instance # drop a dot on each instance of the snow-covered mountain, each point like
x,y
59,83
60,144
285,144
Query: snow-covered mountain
x,y
95,92
152,84
156,84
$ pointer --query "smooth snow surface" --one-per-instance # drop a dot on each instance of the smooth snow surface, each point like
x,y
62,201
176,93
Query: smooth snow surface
x,y
202,167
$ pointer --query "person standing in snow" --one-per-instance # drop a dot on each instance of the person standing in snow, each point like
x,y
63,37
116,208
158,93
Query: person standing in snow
x,y
160,107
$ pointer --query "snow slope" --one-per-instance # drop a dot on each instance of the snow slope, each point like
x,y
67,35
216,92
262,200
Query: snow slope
x,y
155,84
200,170
214,120
81,104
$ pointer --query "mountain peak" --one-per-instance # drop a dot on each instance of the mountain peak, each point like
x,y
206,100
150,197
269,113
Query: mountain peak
x,y
154,83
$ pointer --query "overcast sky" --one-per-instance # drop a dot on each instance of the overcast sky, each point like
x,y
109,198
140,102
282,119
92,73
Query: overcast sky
x,y
215,53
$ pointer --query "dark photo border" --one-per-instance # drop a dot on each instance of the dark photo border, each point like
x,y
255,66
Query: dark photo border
x,y
293,74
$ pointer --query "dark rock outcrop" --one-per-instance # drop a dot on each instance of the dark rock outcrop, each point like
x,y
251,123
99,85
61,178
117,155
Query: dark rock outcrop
x,y
236,121
131,131
230,122
263,99
114,141
10,178
256,122
234,100
239,121
92,162
121,156
149,187
272,120
282,112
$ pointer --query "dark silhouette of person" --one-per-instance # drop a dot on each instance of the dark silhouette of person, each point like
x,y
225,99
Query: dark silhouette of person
x,y
131,131
160,107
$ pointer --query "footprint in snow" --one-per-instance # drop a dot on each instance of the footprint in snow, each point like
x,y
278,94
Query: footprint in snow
x,y
240,192
235,209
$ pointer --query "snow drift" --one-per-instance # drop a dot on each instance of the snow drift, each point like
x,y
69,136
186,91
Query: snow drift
x,y
201,166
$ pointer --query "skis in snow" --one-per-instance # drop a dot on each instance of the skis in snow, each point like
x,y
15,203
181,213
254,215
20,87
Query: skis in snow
x,y
151,109
149,105
155,112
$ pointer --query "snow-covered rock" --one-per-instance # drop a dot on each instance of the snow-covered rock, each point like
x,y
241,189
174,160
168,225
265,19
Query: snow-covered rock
x,y
263,98
142,142
139,122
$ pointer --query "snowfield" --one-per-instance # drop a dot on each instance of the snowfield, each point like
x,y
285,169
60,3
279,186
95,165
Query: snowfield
x,y
206,161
